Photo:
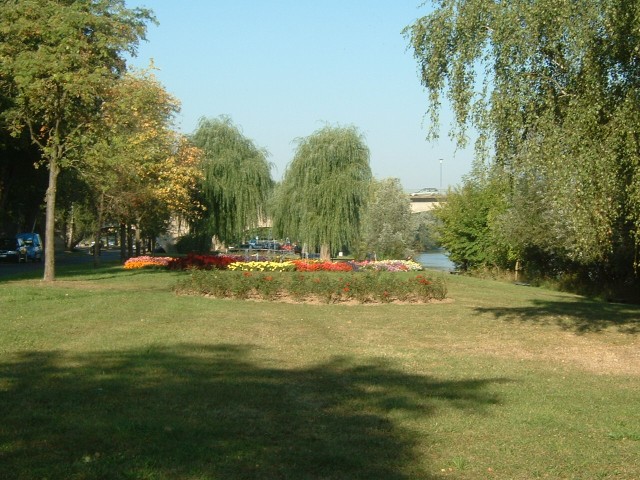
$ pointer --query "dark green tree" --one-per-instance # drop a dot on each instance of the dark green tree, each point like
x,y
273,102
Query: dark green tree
x,y
323,195
468,229
237,180
58,58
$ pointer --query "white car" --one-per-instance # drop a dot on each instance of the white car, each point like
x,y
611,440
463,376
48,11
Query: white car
x,y
426,191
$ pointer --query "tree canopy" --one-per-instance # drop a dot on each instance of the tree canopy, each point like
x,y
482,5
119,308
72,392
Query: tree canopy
x,y
325,189
388,227
552,87
139,170
237,180
58,59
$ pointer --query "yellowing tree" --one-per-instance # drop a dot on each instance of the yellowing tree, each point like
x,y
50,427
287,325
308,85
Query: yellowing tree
x,y
140,170
58,60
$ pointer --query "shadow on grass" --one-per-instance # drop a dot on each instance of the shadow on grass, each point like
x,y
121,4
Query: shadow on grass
x,y
104,271
64,269
581,316
210,412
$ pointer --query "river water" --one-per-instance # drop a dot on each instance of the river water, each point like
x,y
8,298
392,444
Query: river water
x,y
436,260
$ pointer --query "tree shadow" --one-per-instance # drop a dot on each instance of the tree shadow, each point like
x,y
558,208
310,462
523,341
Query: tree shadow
x,y
579,316
210,412
104,271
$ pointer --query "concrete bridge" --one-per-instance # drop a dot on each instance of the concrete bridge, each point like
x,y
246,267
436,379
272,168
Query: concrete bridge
x,y
425,203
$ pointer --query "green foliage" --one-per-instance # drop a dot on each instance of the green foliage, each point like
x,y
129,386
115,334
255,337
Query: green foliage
x,y
387,221
468,230
424,227
237,180
58,61
326,287
193,242
323,195
552,88
126,151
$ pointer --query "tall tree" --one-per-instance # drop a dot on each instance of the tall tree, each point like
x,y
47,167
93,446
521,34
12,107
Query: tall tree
x,y
139,170
237,180
325,190
387,228
58,58
552,86
468,225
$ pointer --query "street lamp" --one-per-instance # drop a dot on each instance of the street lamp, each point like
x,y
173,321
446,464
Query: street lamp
x,y
441,175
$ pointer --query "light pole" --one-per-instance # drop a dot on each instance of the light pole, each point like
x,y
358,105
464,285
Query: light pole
x,y
441,175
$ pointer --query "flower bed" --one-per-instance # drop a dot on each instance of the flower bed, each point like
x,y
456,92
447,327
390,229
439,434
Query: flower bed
x,y
239,262
146,261
262,266
203,262
326,287
322,266
390,265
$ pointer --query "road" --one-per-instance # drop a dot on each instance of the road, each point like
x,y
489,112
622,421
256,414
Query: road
x,y
36,270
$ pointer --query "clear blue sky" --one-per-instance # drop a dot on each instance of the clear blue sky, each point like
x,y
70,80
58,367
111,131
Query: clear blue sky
x,y
281,69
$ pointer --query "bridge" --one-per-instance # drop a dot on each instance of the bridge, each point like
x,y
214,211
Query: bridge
x,y
425,203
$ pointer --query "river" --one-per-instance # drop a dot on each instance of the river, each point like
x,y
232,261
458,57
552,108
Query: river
x,y
436,260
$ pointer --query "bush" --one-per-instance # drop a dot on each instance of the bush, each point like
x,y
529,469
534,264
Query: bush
x,y
193,243
326,287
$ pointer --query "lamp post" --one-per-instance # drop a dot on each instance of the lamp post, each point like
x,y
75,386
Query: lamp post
x,y
441,175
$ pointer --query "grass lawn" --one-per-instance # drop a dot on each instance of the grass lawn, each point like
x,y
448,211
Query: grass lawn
x,y
107,374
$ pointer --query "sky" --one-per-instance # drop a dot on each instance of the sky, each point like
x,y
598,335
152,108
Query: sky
x,y
282,69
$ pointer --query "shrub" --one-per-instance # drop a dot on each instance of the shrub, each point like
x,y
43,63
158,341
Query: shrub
x,y
205,282
268,285
327,287
297,286
193,243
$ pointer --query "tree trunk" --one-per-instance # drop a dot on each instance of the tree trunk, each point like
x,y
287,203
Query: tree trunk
x,y
98,232
50,223
123,242
70,232
138,240
129,241
325,252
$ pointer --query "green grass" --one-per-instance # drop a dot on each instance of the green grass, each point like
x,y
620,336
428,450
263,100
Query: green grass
x,y
108,374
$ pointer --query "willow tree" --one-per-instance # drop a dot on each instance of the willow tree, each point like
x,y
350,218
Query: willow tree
x,y
552,87
387,228
324,192
58,58
237,180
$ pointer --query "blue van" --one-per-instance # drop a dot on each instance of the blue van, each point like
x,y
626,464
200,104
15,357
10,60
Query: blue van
x,y
33,244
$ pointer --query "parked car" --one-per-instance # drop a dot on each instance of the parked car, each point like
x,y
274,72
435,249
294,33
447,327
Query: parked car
x,y
33,244
12,250
426,191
